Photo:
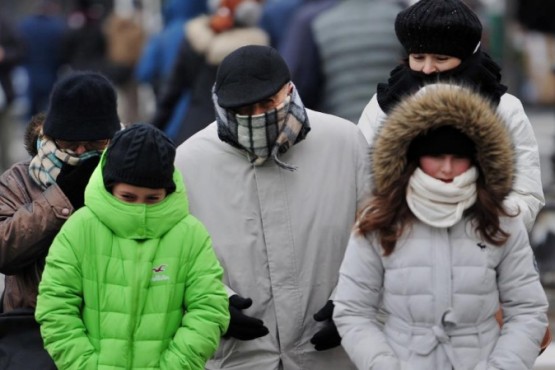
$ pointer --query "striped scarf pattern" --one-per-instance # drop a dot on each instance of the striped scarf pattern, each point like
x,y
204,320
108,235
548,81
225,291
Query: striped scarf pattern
x,y
46,165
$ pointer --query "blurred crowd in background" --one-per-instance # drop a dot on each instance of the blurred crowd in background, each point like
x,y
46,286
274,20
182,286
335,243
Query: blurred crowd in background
x,y
162,55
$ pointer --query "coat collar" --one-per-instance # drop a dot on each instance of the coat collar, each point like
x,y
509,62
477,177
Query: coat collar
x,y
136,221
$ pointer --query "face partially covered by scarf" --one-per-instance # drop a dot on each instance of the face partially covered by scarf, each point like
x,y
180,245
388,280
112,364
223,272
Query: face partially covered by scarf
x,y
47,163
441,204
265,135
478,71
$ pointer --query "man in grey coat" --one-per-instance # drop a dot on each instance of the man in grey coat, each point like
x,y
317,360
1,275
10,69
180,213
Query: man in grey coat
x,y
278,187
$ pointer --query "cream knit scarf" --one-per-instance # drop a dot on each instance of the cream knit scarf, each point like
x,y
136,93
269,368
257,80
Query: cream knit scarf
x,y
438,203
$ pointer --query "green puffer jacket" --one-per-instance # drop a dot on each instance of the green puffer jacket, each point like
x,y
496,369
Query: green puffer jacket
x,y
132,286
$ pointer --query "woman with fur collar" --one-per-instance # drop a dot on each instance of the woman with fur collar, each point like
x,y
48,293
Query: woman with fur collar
x,y
208,40
437,242
442,41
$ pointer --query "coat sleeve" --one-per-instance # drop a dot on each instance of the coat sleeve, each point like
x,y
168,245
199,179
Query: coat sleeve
x,y
300,51
527,193
356,305
363,175
523,302
371,120
207,312
59,304
148,67
27,222
187,63
12,46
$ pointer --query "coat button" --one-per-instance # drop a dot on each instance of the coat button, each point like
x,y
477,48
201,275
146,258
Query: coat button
x,y
65,211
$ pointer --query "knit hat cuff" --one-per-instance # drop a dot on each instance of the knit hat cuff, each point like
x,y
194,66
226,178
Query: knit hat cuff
x,y
105,127
442,140
113,176
140,155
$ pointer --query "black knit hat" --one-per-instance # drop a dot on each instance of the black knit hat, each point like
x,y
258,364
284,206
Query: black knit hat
x,y
442,140
83,107
140,155
446,27
250,74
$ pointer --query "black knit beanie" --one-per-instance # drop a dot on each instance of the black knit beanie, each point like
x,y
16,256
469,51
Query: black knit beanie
x,y
445,27
442,140
140,155
83,107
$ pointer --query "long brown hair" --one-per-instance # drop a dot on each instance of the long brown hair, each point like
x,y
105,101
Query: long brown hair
x,y
388,214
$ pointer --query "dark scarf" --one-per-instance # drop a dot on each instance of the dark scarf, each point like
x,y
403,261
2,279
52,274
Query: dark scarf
x,y
478,71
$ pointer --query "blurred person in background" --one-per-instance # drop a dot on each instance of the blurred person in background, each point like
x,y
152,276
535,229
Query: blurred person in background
x,y
207,41
85,44
125,38
161,52
42,33
537,27
11,54
276,18
536,15
346,50
299,50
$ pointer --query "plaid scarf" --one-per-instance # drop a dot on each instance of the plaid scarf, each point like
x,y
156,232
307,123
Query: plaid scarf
x,y
265,135
46,165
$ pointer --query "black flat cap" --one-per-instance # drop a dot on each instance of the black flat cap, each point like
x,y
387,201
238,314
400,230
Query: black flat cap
x,y
250,74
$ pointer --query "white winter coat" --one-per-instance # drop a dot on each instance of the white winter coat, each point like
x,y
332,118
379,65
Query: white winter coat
x,y
527,191
441,288
280,235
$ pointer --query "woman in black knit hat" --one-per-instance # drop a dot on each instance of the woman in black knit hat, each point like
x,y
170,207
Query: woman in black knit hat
x,y
442,42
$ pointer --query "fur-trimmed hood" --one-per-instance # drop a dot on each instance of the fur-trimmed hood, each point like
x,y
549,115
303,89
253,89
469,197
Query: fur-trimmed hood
x,y
438,105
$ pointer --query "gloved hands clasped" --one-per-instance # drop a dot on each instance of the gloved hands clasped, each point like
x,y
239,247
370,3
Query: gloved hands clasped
x,y
241,326
327,337
73,180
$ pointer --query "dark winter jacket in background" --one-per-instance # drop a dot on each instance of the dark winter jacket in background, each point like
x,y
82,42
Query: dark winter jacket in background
x,y
12,48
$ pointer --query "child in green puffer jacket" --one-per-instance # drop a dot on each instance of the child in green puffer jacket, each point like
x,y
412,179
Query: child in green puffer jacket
x,y
131,281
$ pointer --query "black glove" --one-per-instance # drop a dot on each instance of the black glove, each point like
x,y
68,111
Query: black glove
x,y
73,180
327,337
241,326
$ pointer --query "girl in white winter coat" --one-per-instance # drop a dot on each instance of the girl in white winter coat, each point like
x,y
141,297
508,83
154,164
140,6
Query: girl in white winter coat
x,y
436,243
442,41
